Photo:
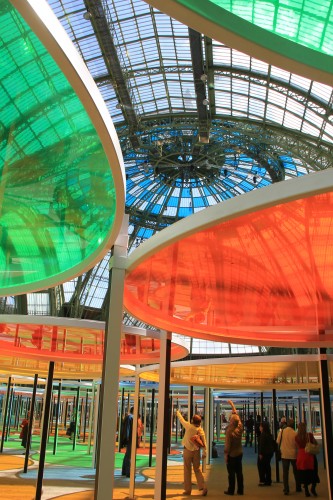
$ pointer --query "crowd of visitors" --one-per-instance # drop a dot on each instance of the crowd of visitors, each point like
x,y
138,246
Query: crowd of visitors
x,y
295,449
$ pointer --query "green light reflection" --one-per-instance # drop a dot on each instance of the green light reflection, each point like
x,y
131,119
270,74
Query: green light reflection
x,y
57,193
306,22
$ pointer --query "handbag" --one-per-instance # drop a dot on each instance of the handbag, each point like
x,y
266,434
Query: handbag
x,y
197,441
311,448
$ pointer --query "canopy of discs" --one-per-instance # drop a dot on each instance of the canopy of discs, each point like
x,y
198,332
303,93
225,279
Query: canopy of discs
x,y
28,343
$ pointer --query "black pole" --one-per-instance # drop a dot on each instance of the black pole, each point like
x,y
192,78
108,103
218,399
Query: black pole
x,y
255,425
10,406
85,416
277,470
18,408
120,423
151,427
45,428
166,420
66,411
326,416
4,422
56,420
262,406
51,419
77,402
190,404
31,419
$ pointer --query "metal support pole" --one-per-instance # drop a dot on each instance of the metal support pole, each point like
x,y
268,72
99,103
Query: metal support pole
x,y
56,420
31,420
91,417
4,421
45,426
327,434
151,433
134,437
190,403
163,421
121,414
111,361
76,412
277,470
86,406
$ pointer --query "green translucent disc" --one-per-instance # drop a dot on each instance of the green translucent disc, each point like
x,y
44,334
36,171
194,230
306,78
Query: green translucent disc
x,y
57,192
296,35
307,22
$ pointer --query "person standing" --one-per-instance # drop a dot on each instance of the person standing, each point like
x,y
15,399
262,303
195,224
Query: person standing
x,y
233,453
266,446
126,441
24,431
191,453
286,438
139,432
307,465
249,425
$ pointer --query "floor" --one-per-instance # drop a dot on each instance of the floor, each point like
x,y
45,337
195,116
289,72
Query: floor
x,y
75,483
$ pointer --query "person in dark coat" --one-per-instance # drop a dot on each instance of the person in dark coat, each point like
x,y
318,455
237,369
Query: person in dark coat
x,y
24,431
266,447
233,453
126,441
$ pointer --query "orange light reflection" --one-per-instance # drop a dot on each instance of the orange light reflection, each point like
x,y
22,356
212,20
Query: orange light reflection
x,y
263,278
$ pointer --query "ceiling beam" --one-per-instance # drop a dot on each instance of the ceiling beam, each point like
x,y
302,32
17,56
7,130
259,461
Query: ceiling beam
x,y
101,28
199,83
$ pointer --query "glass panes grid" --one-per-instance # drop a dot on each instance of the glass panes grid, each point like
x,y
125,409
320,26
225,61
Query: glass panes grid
x,y
308,22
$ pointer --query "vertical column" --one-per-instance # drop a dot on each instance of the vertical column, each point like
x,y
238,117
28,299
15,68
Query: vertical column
x,y
76,413
218,421
111,361
86,407
151,426
207,424
91,417
5,416
327,435
275,418
57,420
190,403
96,413
45,428
163,427
121,413
134,436
31,419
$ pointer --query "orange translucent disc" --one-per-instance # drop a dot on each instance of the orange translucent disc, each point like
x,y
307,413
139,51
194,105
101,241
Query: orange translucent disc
x,y
262,278
75,344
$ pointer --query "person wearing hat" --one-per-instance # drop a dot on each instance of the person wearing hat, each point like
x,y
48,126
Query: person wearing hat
x,y
233,453
191,453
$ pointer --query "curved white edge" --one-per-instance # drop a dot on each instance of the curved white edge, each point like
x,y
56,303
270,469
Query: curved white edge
x,y
48,29
275,194
235,41
58,321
